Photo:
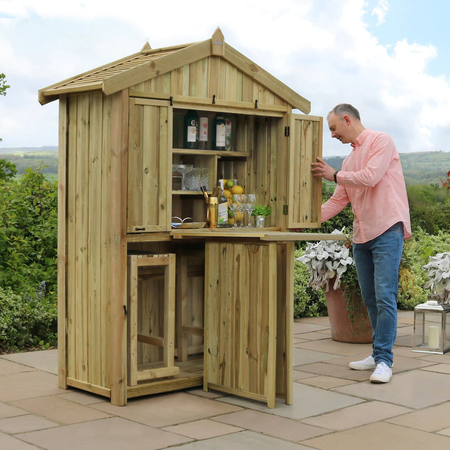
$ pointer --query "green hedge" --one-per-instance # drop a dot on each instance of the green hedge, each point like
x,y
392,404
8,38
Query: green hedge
x,y
27,321
28,269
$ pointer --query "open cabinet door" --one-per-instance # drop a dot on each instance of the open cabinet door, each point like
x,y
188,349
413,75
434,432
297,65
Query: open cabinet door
x,y
304,190
149,166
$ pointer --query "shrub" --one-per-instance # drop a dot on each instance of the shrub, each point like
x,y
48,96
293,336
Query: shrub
x,y
307,301
28,232
27,321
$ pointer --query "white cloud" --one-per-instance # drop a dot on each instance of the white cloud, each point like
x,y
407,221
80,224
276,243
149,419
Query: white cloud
x,y
380,11
324,50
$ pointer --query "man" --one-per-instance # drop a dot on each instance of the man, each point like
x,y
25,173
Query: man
x,y
372,180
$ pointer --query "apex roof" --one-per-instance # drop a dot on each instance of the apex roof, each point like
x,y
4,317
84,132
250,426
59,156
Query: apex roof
x,y
148,64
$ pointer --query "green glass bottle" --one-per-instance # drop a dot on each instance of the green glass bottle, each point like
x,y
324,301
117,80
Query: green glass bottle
x,y
191,130
219,129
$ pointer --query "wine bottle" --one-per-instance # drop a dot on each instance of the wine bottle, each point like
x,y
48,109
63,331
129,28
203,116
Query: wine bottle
x,y
219,132
191,130
203,133
222,210
228,133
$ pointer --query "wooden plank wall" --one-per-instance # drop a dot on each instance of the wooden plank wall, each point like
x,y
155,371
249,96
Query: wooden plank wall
x,y
207,77
88,240
306,189
240,318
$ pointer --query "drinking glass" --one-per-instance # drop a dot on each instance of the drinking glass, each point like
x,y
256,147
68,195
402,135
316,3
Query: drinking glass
x,y
183,169
237,206
249,204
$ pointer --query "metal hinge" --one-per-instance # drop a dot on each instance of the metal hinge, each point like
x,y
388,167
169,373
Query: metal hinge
x,y
285,210
287,131
125,310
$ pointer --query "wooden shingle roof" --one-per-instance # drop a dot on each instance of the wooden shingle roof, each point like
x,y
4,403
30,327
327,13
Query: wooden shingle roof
x,y
93,79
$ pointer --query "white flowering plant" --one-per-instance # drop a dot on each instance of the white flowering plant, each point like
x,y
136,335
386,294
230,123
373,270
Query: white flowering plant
x,y
327,260
438,269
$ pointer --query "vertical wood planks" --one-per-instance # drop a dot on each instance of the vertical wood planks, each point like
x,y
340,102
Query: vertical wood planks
x,y
118,261
305,191
71,238
106,199
149,188
81,230
240,321
169,312
132,322
94,239
62,242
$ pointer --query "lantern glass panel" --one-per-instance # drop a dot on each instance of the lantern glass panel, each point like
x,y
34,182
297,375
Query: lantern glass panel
x,y
432,328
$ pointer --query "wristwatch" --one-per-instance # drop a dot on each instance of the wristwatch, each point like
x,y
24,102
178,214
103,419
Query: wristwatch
x,y
335,173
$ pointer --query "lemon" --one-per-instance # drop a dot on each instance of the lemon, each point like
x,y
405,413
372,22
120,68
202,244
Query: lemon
x,y
229,184
227,193
237,190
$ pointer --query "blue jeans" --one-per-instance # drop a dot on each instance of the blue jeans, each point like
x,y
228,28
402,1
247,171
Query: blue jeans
x,y
377,265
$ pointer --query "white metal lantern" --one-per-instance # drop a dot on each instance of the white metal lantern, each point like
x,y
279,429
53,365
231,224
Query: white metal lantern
x,y
432,327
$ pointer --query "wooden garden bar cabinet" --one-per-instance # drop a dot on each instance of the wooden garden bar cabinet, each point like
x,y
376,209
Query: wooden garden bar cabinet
x,y
145,308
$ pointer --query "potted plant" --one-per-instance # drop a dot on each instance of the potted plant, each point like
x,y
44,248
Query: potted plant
x,y
438,269
332,269
260,212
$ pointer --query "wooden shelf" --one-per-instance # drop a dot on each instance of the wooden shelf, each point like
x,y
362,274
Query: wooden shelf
x,y
189,192
220,153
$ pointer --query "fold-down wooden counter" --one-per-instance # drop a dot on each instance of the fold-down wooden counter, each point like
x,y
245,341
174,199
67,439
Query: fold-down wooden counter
x,y
249,283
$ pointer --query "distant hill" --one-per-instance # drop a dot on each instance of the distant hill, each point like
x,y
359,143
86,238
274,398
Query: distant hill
x,y
22,150
25,157
418,168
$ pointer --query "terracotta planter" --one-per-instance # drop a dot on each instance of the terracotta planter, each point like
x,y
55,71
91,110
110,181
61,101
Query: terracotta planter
x,y
355,330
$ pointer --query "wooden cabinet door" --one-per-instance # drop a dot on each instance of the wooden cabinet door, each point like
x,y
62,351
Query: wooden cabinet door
x,y
240,319
304,190
149,166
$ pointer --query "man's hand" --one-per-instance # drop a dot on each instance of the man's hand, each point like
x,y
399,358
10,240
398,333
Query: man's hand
x,y
322,169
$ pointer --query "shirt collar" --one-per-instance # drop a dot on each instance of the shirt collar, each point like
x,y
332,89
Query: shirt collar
x,y
362,137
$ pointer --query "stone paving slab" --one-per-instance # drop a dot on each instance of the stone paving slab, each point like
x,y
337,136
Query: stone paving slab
x,y
278,427
112,434
243,441
380,436
45,360
308,401
415,389
334,407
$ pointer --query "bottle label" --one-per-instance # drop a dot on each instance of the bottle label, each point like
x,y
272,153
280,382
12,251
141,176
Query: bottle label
x,y
222,215
192,133
228,132
203,136
220,135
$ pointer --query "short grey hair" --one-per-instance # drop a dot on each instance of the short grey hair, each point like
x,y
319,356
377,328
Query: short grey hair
x,y
345,109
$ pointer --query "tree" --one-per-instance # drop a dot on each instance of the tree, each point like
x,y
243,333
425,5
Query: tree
x,y
8,170
3,86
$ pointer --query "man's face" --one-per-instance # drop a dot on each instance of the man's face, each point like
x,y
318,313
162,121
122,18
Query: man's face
x,y
339,128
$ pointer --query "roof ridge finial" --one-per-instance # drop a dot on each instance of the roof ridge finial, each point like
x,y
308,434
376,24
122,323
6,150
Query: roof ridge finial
x,y
218,43
146,47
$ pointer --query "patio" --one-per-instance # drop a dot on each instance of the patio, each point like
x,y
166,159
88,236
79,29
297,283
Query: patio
x,y
334,407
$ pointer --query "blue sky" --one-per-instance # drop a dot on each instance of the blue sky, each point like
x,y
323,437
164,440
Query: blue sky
x,y
389,58
423,22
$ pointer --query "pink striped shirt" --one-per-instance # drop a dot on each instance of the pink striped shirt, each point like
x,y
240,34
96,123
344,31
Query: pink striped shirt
x,y
372,180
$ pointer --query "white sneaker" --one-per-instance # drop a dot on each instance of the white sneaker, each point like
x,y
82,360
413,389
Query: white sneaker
x,y
365,364
382,374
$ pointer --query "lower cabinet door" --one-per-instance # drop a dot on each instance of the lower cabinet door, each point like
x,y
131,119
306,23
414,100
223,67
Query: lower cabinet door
x,y
240,319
